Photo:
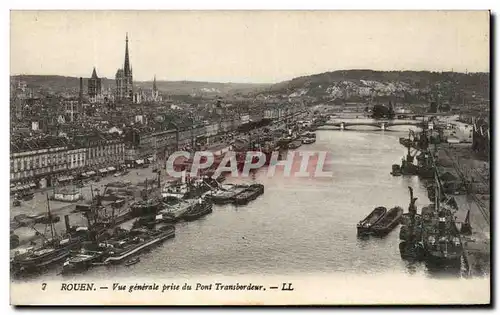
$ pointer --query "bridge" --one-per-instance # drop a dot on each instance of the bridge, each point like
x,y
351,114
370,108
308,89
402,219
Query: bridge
x,y
381,125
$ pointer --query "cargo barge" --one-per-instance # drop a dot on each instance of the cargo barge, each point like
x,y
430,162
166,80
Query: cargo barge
x,y
144,240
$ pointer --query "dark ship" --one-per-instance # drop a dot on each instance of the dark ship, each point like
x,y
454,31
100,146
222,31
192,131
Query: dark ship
x,y
199,210
432,235
52,250
364,226
388,222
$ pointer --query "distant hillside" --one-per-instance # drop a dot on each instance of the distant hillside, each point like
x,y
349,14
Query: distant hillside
x,y
405,86
57,83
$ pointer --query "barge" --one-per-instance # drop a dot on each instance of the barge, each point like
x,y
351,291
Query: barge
x,y
226,193
388,222
249,194
364,226
138,243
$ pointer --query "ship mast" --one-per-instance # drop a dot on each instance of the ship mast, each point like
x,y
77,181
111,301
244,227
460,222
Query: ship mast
x,y
50,218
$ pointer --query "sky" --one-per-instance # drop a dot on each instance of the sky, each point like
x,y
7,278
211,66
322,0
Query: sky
x,y
246,46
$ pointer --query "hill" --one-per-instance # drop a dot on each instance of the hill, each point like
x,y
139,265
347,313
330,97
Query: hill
x,y
55,83
404,86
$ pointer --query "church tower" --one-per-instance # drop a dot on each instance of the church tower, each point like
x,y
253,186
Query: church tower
x,y
124,79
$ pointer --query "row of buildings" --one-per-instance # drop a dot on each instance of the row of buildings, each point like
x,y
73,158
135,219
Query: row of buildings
x,y
48,160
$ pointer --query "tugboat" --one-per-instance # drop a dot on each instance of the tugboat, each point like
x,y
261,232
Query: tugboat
x,y
388,222
364,226
199,210
250,194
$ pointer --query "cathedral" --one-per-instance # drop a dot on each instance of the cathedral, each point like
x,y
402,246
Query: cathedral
x,y
94,87
124,85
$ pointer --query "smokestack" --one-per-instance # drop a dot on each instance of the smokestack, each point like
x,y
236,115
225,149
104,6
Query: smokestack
x,y
81,91
66,222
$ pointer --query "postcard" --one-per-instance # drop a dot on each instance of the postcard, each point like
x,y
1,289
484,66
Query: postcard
x,y
250,158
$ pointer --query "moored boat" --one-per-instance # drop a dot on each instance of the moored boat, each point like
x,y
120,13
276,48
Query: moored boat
x,y
364,226
198,211
251,193
226,193
133,244
396,170
132,261
294,144
308,140
388,222
81,261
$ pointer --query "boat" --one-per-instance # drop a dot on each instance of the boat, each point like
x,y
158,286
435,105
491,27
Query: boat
x,y
308,140
53,250
199,210
27,196
50,253
145,207
148,221
226,193
249,194
364,226
16,203
396,170
174,212
388,222
310,135
132,261
294,144
441,238
174,192
81,261
143,239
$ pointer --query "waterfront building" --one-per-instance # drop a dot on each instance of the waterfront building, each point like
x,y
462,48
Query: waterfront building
x,y
124,79
37,162
104,152
147,143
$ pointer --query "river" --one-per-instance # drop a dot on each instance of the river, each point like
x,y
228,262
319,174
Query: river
x,y
300,224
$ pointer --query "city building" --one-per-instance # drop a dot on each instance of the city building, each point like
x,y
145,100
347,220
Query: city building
x,y
37,162
147,143
94,88
104,152
124,80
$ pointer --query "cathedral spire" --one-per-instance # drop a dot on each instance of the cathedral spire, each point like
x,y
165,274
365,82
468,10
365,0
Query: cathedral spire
x,y
126,66
94,74
154,83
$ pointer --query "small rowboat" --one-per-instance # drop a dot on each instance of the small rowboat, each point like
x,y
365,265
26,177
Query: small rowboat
x,y
132,261
364,226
